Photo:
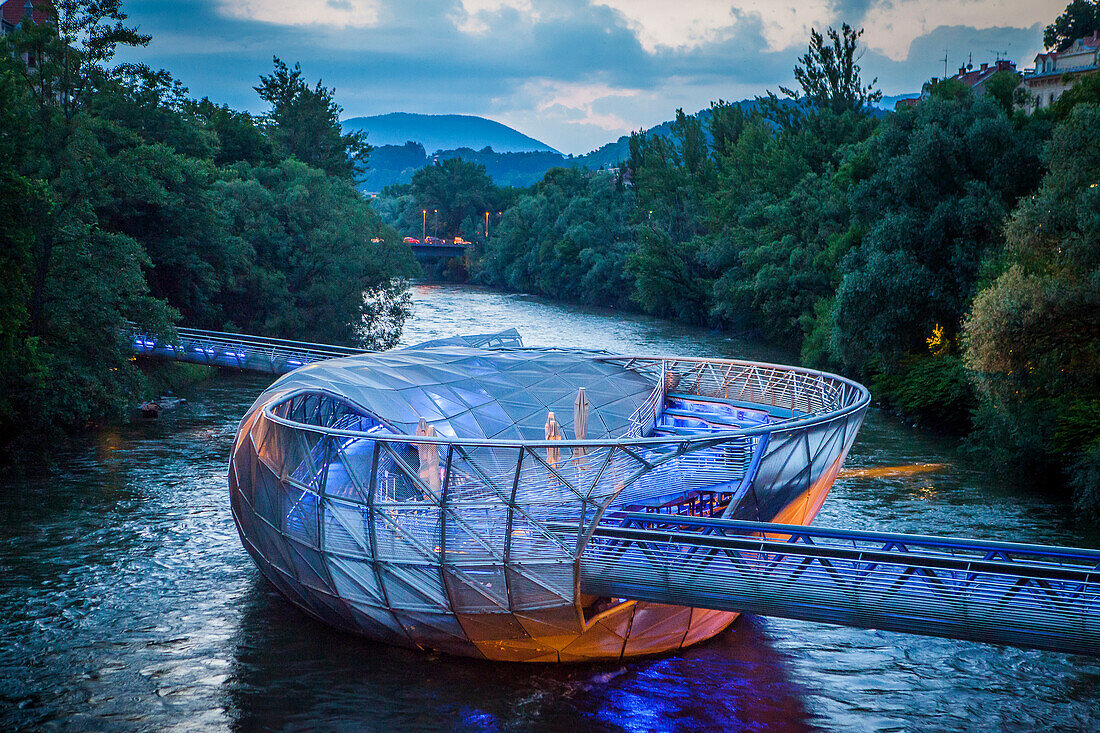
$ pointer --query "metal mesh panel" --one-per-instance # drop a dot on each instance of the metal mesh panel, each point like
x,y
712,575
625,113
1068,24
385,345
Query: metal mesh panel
x,y
462,543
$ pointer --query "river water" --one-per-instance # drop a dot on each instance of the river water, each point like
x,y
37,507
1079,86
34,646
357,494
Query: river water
x,y
128,603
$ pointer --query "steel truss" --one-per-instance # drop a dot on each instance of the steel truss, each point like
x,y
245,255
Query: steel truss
x,y
1024,595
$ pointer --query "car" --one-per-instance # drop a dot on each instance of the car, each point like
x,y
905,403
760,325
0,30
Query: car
x,y
411,240
434,240
460,240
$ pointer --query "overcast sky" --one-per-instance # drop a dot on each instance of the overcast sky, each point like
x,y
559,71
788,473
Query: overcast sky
x,y
572,73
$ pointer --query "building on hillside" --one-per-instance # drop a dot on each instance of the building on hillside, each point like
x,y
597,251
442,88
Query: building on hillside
x,y
14,12
906,103
976,79
1057,71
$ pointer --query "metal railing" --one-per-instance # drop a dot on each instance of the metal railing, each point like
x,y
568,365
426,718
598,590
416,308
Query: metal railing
x,y
1024,595
235,350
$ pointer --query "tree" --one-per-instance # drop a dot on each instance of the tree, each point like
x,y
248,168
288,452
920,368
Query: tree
x,y
315,273
727,120
944,180
305,123
457,189
1033,336
829,74
1004,87
123,201
68,55
1079,19
1086,90
240,139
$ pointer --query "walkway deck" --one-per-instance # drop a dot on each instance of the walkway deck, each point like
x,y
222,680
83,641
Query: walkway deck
x,y
1023,595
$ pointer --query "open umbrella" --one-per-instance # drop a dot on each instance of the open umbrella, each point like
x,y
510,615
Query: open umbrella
x,y
580,421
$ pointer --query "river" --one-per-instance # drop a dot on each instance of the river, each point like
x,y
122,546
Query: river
x,y
128,603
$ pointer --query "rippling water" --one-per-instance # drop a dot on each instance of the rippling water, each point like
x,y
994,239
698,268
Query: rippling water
x,y
127,602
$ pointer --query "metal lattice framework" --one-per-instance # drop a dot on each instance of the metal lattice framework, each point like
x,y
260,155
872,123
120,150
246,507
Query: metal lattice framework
x,y
1027,595
455,544
541,550
266,355
237,351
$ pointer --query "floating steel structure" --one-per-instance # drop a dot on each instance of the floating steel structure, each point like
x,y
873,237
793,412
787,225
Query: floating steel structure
x,y
413,496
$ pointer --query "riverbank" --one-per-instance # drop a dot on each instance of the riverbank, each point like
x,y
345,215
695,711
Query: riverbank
x,y
130,603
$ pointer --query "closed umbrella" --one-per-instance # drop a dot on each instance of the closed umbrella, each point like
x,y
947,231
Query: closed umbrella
x,y
553,432
429,457
580,421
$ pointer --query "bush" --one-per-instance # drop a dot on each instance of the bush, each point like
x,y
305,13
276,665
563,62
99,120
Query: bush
x,y
934,389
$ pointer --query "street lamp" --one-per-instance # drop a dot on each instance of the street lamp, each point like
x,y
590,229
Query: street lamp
x,y
423,223
435,229
486,224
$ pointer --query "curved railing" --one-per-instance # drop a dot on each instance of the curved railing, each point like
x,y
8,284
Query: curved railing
x,y
316,442
802,396
413,530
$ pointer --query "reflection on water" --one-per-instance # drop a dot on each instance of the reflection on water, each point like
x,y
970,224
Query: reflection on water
x,y
127,602
280,656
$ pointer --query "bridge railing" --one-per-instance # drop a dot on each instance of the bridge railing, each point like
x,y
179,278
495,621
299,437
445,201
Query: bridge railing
x,y
1025,595
241,351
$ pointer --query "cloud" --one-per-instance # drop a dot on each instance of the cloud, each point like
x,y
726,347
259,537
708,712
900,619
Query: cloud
x,y
477,16
337,13
691,24
891,27
574,73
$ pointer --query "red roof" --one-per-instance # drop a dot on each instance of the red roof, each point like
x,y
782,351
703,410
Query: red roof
x,y
13,11
977,76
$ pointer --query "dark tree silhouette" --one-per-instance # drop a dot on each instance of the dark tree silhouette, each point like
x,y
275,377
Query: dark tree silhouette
x,y
1080,18
305,122
829,73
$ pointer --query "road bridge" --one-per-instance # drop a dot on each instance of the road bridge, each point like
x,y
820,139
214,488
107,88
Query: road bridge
x,y
426,251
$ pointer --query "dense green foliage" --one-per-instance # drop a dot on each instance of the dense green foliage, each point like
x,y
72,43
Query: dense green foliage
x,y
123,200
305,123
1080,18
569,239
865,243
1033,336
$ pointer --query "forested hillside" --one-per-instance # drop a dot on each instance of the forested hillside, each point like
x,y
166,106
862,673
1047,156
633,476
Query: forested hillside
x,y
445,132
123,200
949,255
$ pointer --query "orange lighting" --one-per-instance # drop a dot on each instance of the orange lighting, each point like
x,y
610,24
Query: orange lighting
x,y
890,471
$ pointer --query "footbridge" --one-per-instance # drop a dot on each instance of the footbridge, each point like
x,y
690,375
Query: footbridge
x,y
234,350
1006,593
1025,595
261,354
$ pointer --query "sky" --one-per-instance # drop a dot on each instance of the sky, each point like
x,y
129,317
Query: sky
x,y
572,73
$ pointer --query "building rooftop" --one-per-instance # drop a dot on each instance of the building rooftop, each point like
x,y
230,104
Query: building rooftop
x,y
13,11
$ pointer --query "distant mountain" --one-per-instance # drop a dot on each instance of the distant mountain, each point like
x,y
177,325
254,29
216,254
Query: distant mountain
x,y
390,164
444,132
397,162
